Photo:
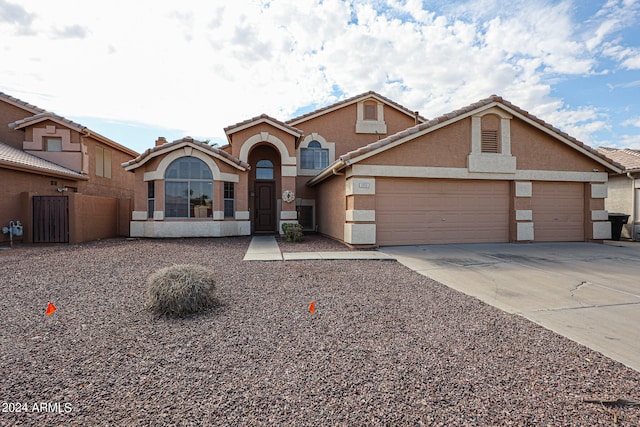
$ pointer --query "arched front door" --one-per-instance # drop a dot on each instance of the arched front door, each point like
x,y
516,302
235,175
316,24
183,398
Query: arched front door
x,y
265,193
264,185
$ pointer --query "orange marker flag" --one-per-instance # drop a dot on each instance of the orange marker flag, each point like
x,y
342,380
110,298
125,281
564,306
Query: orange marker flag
x,y
312,307
50,309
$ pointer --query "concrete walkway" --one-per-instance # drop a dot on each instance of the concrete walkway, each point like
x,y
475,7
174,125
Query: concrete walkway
x,y
590,293
265,248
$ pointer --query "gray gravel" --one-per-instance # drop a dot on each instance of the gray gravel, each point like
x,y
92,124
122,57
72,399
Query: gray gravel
x,y
386,346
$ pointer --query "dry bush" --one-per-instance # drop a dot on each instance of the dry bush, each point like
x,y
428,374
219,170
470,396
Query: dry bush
x,y
293,232
181,289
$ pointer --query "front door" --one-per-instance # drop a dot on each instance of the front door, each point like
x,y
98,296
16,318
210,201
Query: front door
x,y
265,206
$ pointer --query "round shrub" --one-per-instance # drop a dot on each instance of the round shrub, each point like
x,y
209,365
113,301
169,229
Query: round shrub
x,y
181,289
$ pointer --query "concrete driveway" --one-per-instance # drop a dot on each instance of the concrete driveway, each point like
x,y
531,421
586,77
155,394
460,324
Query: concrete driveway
x,y
588,292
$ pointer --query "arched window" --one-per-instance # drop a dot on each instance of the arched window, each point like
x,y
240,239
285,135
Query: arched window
x,y
264,169
314,156
188,189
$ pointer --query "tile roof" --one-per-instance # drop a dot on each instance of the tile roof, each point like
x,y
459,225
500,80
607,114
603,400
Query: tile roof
x,y
627,157
469,108
189,140
41,114
44,116
30,107
263,117
15,158
351,100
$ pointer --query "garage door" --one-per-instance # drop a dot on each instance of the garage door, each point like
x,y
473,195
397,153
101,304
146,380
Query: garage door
x,y
558,211
434,211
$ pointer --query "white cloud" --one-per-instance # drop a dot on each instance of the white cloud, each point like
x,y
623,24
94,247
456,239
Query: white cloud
x,y
632,61
612,17
629,141
14,13
633,121
581,123
200,66
71,31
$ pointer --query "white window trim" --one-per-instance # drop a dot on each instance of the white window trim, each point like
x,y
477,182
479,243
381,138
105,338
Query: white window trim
x,y
502,162
159,173
331,146
370,126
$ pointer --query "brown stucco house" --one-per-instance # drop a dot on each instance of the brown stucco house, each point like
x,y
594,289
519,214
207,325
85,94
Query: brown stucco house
x,y
368,171
61,180
624,189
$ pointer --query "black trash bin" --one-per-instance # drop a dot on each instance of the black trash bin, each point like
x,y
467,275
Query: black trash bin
x,y
617,221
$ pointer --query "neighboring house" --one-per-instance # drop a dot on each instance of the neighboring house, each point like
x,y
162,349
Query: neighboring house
x,y
624,189
61,180
367,171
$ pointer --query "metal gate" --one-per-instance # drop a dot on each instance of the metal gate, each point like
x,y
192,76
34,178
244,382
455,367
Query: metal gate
x,y
50,219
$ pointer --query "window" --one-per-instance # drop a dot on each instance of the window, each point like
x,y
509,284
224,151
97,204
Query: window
x,y
264,169
188,189
53,144
151,198
229,200
103,162
314,156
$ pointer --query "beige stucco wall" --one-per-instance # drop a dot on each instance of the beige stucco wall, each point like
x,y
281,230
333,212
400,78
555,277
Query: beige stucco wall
x,y
443,153
90,217
620,199
119,185
15,192
535,150
9,114
339,126
330,207
446,147
94,217
239,138
450,146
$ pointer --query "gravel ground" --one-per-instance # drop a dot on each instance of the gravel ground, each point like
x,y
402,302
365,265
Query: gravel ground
x,y
312,242
386,347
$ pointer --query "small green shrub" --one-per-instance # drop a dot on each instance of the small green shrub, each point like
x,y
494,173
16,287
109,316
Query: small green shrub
x,y
181,289
292,231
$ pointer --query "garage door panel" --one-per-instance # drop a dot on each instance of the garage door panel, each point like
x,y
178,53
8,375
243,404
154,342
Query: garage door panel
x,y
441,211
558,211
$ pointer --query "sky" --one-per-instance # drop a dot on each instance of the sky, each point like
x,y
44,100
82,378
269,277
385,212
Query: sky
x,y
136,70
